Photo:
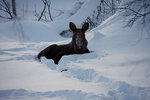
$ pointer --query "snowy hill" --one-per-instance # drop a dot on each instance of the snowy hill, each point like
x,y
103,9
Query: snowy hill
x,y
117,69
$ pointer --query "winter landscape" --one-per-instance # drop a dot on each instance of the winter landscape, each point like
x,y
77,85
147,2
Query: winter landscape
x,y
118,67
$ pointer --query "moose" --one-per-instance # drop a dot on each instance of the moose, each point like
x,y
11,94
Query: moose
x,y
78,45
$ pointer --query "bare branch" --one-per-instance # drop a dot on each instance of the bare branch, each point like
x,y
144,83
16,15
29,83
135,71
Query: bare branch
x,y
5,17
136,9
49,12
125,8
7,10
42,10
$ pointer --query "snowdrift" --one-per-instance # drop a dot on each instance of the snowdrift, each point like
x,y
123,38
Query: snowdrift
x,y
117,69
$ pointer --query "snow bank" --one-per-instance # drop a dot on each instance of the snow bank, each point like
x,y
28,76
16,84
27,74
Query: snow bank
x,y
22,94
116,69
29,31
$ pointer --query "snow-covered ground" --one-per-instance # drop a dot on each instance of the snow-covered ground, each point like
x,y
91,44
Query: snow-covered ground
x,y
117,69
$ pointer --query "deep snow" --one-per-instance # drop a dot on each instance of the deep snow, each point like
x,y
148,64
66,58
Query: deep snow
x,y
117,69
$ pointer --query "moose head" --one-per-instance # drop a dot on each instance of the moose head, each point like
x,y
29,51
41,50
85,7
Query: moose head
x,y
79,41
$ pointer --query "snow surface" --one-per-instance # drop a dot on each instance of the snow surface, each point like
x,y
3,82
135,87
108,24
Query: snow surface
x,y
117,69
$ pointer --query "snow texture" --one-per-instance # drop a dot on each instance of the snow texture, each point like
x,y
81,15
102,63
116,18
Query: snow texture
x,y
116,69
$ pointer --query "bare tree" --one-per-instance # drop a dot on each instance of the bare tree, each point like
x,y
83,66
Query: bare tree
x,y
42,10
46,4
105,9
49,11
5,8
136,9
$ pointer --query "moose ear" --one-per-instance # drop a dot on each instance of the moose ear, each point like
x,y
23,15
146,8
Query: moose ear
x,y
85,26
72,26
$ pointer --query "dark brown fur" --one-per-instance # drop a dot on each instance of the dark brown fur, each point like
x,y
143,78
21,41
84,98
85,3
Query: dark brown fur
x,y
78,45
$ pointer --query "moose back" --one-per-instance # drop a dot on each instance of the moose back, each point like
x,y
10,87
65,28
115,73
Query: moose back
x,y
78,45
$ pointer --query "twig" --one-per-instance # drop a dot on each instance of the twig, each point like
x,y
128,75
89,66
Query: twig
x,y
49,12
42,10
7,9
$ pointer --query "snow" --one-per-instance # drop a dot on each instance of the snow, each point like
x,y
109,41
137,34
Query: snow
x,y
116,69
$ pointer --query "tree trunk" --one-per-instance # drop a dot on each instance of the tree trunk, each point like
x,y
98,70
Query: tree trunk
x,y
14,8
